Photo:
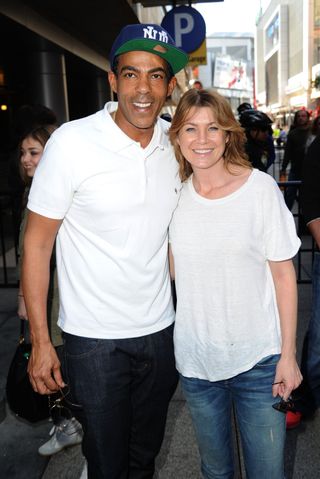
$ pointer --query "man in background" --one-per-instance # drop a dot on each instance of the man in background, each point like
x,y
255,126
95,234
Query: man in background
x,y
294,154
259,146
308,394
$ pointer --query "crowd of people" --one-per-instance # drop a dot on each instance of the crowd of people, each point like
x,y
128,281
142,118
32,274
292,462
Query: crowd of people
x,y
111,193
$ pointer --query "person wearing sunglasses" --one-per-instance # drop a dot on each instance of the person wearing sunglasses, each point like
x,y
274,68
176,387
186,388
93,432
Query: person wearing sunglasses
x,y
232,241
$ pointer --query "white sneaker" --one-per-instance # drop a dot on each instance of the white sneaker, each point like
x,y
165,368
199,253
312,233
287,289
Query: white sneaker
x,y
84,474
66,433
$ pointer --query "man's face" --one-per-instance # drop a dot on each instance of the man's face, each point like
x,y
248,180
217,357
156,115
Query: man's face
x,y
142,86
302,118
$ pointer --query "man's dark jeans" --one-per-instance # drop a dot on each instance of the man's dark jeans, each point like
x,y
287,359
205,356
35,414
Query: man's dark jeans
x,y
124,387
308,394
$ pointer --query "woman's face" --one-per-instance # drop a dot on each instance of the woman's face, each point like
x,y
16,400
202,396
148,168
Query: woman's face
x,y
201,142
31,152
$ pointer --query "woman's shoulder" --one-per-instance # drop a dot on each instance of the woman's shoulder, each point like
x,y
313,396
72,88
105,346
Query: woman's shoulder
x,y
263,178
264,185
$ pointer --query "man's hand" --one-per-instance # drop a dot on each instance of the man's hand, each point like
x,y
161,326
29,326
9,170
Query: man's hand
x,y
44,369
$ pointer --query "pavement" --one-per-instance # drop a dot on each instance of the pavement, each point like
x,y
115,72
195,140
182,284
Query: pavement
x,y
178,459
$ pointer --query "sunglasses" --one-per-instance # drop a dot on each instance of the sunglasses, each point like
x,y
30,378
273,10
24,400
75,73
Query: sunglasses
x,y
285,405
60,405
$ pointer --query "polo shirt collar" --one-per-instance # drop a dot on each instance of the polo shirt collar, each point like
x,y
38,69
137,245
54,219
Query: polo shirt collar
x,y
120,140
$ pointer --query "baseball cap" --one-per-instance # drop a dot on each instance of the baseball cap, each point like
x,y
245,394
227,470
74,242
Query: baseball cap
x,y
149,38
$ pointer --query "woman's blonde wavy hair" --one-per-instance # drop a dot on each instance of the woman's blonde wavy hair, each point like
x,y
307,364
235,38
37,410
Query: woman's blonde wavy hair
x,y
234,153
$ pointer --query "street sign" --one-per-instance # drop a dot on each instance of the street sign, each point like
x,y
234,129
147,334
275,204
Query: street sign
x,y
199,56
187,27
157,3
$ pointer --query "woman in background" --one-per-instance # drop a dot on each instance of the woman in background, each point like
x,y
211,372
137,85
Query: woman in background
x,y
67,431
232,239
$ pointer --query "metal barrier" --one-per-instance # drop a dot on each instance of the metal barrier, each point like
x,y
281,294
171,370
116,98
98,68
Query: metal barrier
x,y
8,240
304,258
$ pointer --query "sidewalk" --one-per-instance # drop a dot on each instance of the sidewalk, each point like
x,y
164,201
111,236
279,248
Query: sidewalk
x,y
19,440
178,459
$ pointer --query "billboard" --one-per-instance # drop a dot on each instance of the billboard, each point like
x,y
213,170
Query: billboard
x,y
229,73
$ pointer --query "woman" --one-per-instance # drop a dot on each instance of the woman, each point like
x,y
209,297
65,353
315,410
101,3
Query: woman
x,y
232,240
67,431
31,149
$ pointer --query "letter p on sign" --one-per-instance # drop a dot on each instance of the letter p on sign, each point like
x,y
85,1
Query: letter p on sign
x,y
182,27
187,27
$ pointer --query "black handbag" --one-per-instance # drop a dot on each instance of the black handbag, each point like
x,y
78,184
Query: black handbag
x,y
22,399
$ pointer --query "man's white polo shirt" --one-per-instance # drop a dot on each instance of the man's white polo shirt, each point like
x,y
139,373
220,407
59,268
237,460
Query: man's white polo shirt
x,y
116,200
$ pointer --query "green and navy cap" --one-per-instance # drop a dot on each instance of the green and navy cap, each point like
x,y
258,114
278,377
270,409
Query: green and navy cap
x,y
149,38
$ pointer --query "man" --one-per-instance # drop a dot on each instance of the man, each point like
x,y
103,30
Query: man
x,y
294,153
259,146
243,107
108,184
308,394
197,85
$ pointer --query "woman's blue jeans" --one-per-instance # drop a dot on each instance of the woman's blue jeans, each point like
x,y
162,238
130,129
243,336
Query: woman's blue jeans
x,y
262,428
124,387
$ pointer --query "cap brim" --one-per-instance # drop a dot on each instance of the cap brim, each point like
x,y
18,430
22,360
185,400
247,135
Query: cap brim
x,y
176,58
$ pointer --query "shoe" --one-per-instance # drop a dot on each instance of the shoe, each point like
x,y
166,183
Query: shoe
x,y
293,419
67,433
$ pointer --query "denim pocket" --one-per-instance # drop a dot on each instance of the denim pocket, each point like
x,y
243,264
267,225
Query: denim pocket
x,y
78,347
271,360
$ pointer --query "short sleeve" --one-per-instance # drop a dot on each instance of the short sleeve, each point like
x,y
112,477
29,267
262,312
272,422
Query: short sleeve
x,y
280,236
53,187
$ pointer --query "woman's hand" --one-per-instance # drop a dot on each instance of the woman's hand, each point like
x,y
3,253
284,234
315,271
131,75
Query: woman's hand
x,y
288,377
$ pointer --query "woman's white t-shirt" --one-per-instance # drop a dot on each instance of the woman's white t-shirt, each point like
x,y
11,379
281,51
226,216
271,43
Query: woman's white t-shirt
x,y
227,317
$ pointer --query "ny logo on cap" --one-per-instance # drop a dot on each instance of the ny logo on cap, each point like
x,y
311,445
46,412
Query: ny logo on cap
x,y
153,34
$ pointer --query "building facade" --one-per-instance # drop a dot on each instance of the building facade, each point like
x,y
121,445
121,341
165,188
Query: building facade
x,y
288,58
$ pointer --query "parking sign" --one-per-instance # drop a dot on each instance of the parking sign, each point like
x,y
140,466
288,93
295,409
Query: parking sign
x,y
187,26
